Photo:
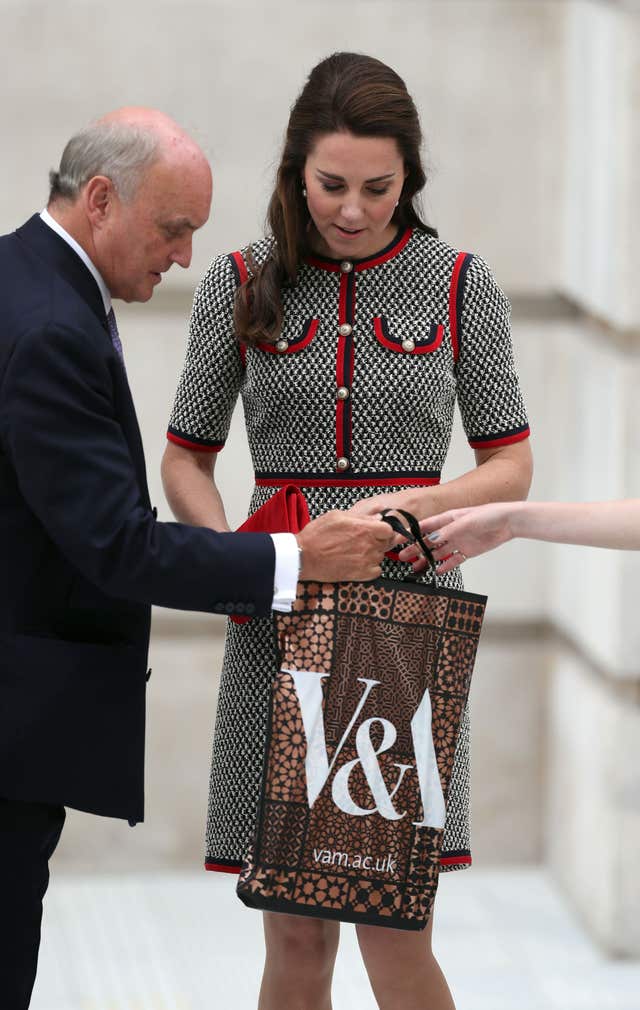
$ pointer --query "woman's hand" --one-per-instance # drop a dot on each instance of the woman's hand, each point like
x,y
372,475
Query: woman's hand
x,y
460,534
375,505
407,500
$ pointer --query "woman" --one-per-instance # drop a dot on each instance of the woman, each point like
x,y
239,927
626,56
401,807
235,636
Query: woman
x,y
348,332
464,533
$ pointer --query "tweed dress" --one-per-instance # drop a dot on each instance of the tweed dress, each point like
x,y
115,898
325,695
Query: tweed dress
x,y
356,398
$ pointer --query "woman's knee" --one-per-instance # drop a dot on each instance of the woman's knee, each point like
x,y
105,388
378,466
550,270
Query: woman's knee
x,y
394,947
310,944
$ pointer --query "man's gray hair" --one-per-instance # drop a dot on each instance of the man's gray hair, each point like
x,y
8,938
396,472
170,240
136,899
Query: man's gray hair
x,y
120,151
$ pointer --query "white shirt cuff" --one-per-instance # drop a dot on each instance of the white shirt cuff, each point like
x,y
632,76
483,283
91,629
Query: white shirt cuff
x,y
287,571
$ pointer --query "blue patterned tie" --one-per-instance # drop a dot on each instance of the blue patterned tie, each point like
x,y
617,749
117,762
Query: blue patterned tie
x,y
113,333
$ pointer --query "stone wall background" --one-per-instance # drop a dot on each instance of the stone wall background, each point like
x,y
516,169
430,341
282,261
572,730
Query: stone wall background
x,y
531,116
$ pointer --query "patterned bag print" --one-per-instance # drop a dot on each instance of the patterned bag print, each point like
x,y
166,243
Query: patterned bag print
x,y
366,709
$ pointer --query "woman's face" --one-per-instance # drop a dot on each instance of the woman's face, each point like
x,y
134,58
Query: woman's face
x,y
353,185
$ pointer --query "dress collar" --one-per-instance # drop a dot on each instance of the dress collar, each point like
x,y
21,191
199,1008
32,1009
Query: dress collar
x,y
396,245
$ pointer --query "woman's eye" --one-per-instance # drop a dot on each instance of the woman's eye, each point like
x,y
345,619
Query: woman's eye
x,y
328,188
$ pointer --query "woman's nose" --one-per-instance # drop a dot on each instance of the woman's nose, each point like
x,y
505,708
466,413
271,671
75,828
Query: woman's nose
x,y
351,210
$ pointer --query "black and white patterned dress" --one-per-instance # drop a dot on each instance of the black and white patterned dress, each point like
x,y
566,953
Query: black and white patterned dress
x,y
356,398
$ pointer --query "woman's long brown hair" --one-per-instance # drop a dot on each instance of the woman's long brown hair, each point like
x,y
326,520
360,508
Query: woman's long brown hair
x,y
346,92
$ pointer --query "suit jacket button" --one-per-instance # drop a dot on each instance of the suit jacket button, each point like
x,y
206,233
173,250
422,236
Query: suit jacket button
x,y
239,608
249,608
149,672
218,608
229,608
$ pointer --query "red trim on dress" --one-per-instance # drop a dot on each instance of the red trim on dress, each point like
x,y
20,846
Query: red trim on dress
x,y
195,446
351,482
453,304
342,302
243,275
295,345
340,404
344,374
496,442
456,860
366,264
466,860
313,261
351,362
396,345
377,260
241,266
444,861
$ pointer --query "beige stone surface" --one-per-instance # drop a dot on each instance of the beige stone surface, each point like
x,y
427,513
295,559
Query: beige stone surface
x,y
601,206
591,399
593,813
508,754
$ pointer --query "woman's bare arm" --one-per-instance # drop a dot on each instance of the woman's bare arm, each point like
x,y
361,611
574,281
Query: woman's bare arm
x,y
473,531
502,474
189,484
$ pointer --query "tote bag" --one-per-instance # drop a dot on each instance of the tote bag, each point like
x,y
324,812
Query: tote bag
x,y
366,706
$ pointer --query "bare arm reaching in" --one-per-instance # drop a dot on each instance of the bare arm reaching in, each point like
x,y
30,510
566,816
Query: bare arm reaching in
x,y
464,533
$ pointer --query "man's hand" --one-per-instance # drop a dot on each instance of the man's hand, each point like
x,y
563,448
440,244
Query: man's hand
x,y
340,547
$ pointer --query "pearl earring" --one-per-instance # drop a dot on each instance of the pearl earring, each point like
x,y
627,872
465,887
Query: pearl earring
x,y
304,192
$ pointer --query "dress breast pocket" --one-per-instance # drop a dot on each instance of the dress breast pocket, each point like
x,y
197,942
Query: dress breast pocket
x,y
419,337
295,336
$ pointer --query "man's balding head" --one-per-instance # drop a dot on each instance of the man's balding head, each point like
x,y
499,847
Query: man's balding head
x,y
122,145
132,188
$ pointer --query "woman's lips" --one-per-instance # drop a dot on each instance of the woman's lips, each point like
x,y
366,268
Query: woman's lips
x,y
348,234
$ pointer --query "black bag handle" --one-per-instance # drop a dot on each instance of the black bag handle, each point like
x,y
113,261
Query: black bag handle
x,y
412,533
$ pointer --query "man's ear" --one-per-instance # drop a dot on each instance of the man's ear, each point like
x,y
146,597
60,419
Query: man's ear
x,y
99,196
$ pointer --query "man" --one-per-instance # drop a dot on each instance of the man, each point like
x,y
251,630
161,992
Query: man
x,y
82,556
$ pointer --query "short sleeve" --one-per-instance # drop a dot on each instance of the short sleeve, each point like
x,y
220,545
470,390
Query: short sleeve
x,y
213,369
493,412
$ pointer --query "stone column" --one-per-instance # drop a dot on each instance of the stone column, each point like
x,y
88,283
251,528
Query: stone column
x,y
593,813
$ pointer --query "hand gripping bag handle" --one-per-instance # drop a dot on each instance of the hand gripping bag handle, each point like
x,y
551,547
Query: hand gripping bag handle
x,y
411,531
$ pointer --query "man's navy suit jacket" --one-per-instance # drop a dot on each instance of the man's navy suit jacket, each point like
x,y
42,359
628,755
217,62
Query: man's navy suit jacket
x,y
82,556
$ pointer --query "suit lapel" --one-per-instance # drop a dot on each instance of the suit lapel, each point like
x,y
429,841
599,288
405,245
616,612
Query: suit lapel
x,y
50,247
61,258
